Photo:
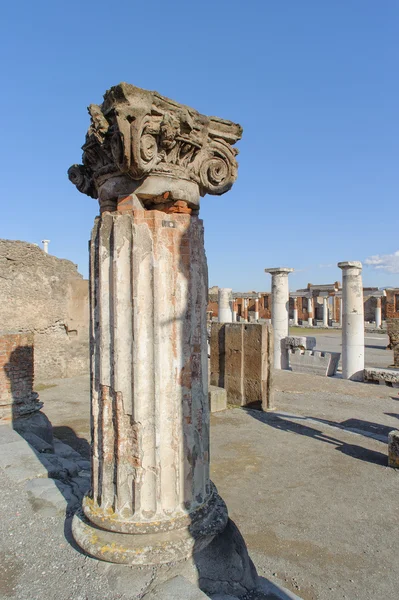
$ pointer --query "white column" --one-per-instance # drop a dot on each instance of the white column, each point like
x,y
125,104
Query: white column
x,y
310,311
256,309
280,320
340,312
295,310
378,319
325,311
45,245
225,313
352,321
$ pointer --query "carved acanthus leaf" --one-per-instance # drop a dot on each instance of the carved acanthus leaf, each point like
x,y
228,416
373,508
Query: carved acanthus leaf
x,y
140,133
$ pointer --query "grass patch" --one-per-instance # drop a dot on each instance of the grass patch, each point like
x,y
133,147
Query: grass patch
x,y
312,330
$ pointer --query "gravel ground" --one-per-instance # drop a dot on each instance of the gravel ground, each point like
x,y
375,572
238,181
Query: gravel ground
x,y
307,485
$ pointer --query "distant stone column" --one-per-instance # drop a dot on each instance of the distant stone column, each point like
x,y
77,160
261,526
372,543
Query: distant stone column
x,y
280,320
295,310
225,314
149,160
235,307
325,311
256,309
245,309
352,321
45,245
378,317
310,311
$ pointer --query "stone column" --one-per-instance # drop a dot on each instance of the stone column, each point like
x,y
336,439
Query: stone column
x,y
245,309
378,318
340,311
280,315
352,321
149,160
295,310
256,309
45,245
325,311
225,314
310,311
235,307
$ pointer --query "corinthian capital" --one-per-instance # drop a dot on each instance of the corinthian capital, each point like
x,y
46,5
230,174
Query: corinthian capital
x,y
139,141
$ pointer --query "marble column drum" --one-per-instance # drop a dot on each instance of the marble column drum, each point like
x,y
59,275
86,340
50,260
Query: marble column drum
x,y
150,413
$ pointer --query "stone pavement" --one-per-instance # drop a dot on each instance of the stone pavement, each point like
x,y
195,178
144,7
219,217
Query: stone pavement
x,y
308,485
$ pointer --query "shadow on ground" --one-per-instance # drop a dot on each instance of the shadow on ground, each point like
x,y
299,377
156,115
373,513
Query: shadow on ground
x,y
284,423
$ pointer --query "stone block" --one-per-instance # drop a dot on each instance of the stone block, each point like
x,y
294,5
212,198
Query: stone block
x,y
241,362
217,398
178,588
388,376
315,362
22,463
393,449
305,342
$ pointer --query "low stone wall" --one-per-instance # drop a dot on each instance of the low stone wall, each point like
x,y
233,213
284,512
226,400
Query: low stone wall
x,y
241,362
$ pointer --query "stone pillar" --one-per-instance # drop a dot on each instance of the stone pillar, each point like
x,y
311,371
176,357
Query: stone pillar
x,y
256,309
340,312
149,160
235,307
352,321
310,311
325,311
378,318
225,314
295,310
45,245
245,309
280,320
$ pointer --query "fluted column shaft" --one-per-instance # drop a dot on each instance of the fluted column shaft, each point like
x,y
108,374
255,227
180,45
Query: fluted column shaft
x,y
352,321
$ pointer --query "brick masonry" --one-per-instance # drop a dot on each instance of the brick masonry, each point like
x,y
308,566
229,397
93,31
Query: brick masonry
x,y
17,397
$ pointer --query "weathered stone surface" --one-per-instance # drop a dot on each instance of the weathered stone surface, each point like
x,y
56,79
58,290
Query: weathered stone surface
x,y
38,443
177,588
217,398
50,497
308,361
241,362
379,374
393,449
305,342
38,424
47,297
22,463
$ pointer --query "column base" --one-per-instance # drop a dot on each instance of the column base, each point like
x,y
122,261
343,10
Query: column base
x,y
157,547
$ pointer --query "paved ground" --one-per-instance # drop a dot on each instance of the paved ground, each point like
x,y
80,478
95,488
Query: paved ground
x,y
308,485
376,354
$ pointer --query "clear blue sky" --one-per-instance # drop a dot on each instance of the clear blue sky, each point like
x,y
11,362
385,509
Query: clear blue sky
x,y
314,84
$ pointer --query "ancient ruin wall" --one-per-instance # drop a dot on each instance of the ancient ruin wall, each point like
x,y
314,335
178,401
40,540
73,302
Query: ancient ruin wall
x,y
47,296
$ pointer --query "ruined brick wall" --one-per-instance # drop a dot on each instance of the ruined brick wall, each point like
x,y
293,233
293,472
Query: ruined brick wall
x,y
391,304
393,333
16,371
46,296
